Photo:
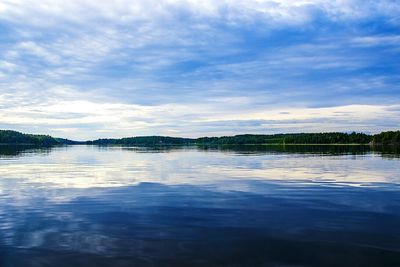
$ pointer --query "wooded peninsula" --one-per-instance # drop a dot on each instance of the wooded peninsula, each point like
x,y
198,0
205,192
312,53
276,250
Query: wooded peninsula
x,y
9,137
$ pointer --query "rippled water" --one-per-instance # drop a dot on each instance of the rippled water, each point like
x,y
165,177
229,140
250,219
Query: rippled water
x,y
233,206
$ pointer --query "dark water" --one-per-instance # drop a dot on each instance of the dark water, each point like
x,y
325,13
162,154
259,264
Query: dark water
x,y
232,206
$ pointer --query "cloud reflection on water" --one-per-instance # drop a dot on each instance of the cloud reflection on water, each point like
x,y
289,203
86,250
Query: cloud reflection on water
x,y
87,166
118,206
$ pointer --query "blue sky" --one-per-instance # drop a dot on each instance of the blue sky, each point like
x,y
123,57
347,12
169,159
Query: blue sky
x,y
88,69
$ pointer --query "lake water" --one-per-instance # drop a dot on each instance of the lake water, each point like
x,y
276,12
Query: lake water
x,y
234,206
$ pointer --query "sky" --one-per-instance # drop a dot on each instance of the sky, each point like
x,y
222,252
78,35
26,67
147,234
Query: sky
x,y
87,69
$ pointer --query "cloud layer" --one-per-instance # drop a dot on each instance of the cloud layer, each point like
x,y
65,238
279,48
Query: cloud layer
x,y
84,69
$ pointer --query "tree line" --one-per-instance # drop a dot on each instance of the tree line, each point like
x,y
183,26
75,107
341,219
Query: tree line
x,y
14,137
10,137
384,138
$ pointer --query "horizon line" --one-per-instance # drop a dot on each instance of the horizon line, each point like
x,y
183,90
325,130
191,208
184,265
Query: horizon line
x,y
205,136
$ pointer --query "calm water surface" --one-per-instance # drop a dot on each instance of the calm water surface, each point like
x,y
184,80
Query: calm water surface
x,y
236,206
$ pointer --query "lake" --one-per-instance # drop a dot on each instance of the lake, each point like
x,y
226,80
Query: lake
x,y
199,206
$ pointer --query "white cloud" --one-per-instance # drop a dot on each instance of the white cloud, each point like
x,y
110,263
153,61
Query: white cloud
x,y
70,118
172,66
7,66
376,40
46,12
31,48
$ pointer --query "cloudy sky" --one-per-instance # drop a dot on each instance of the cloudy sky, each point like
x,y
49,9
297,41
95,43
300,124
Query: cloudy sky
x,y
85,69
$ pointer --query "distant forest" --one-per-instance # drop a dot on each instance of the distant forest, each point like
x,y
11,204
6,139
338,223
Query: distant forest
x,y
13,137
384,138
